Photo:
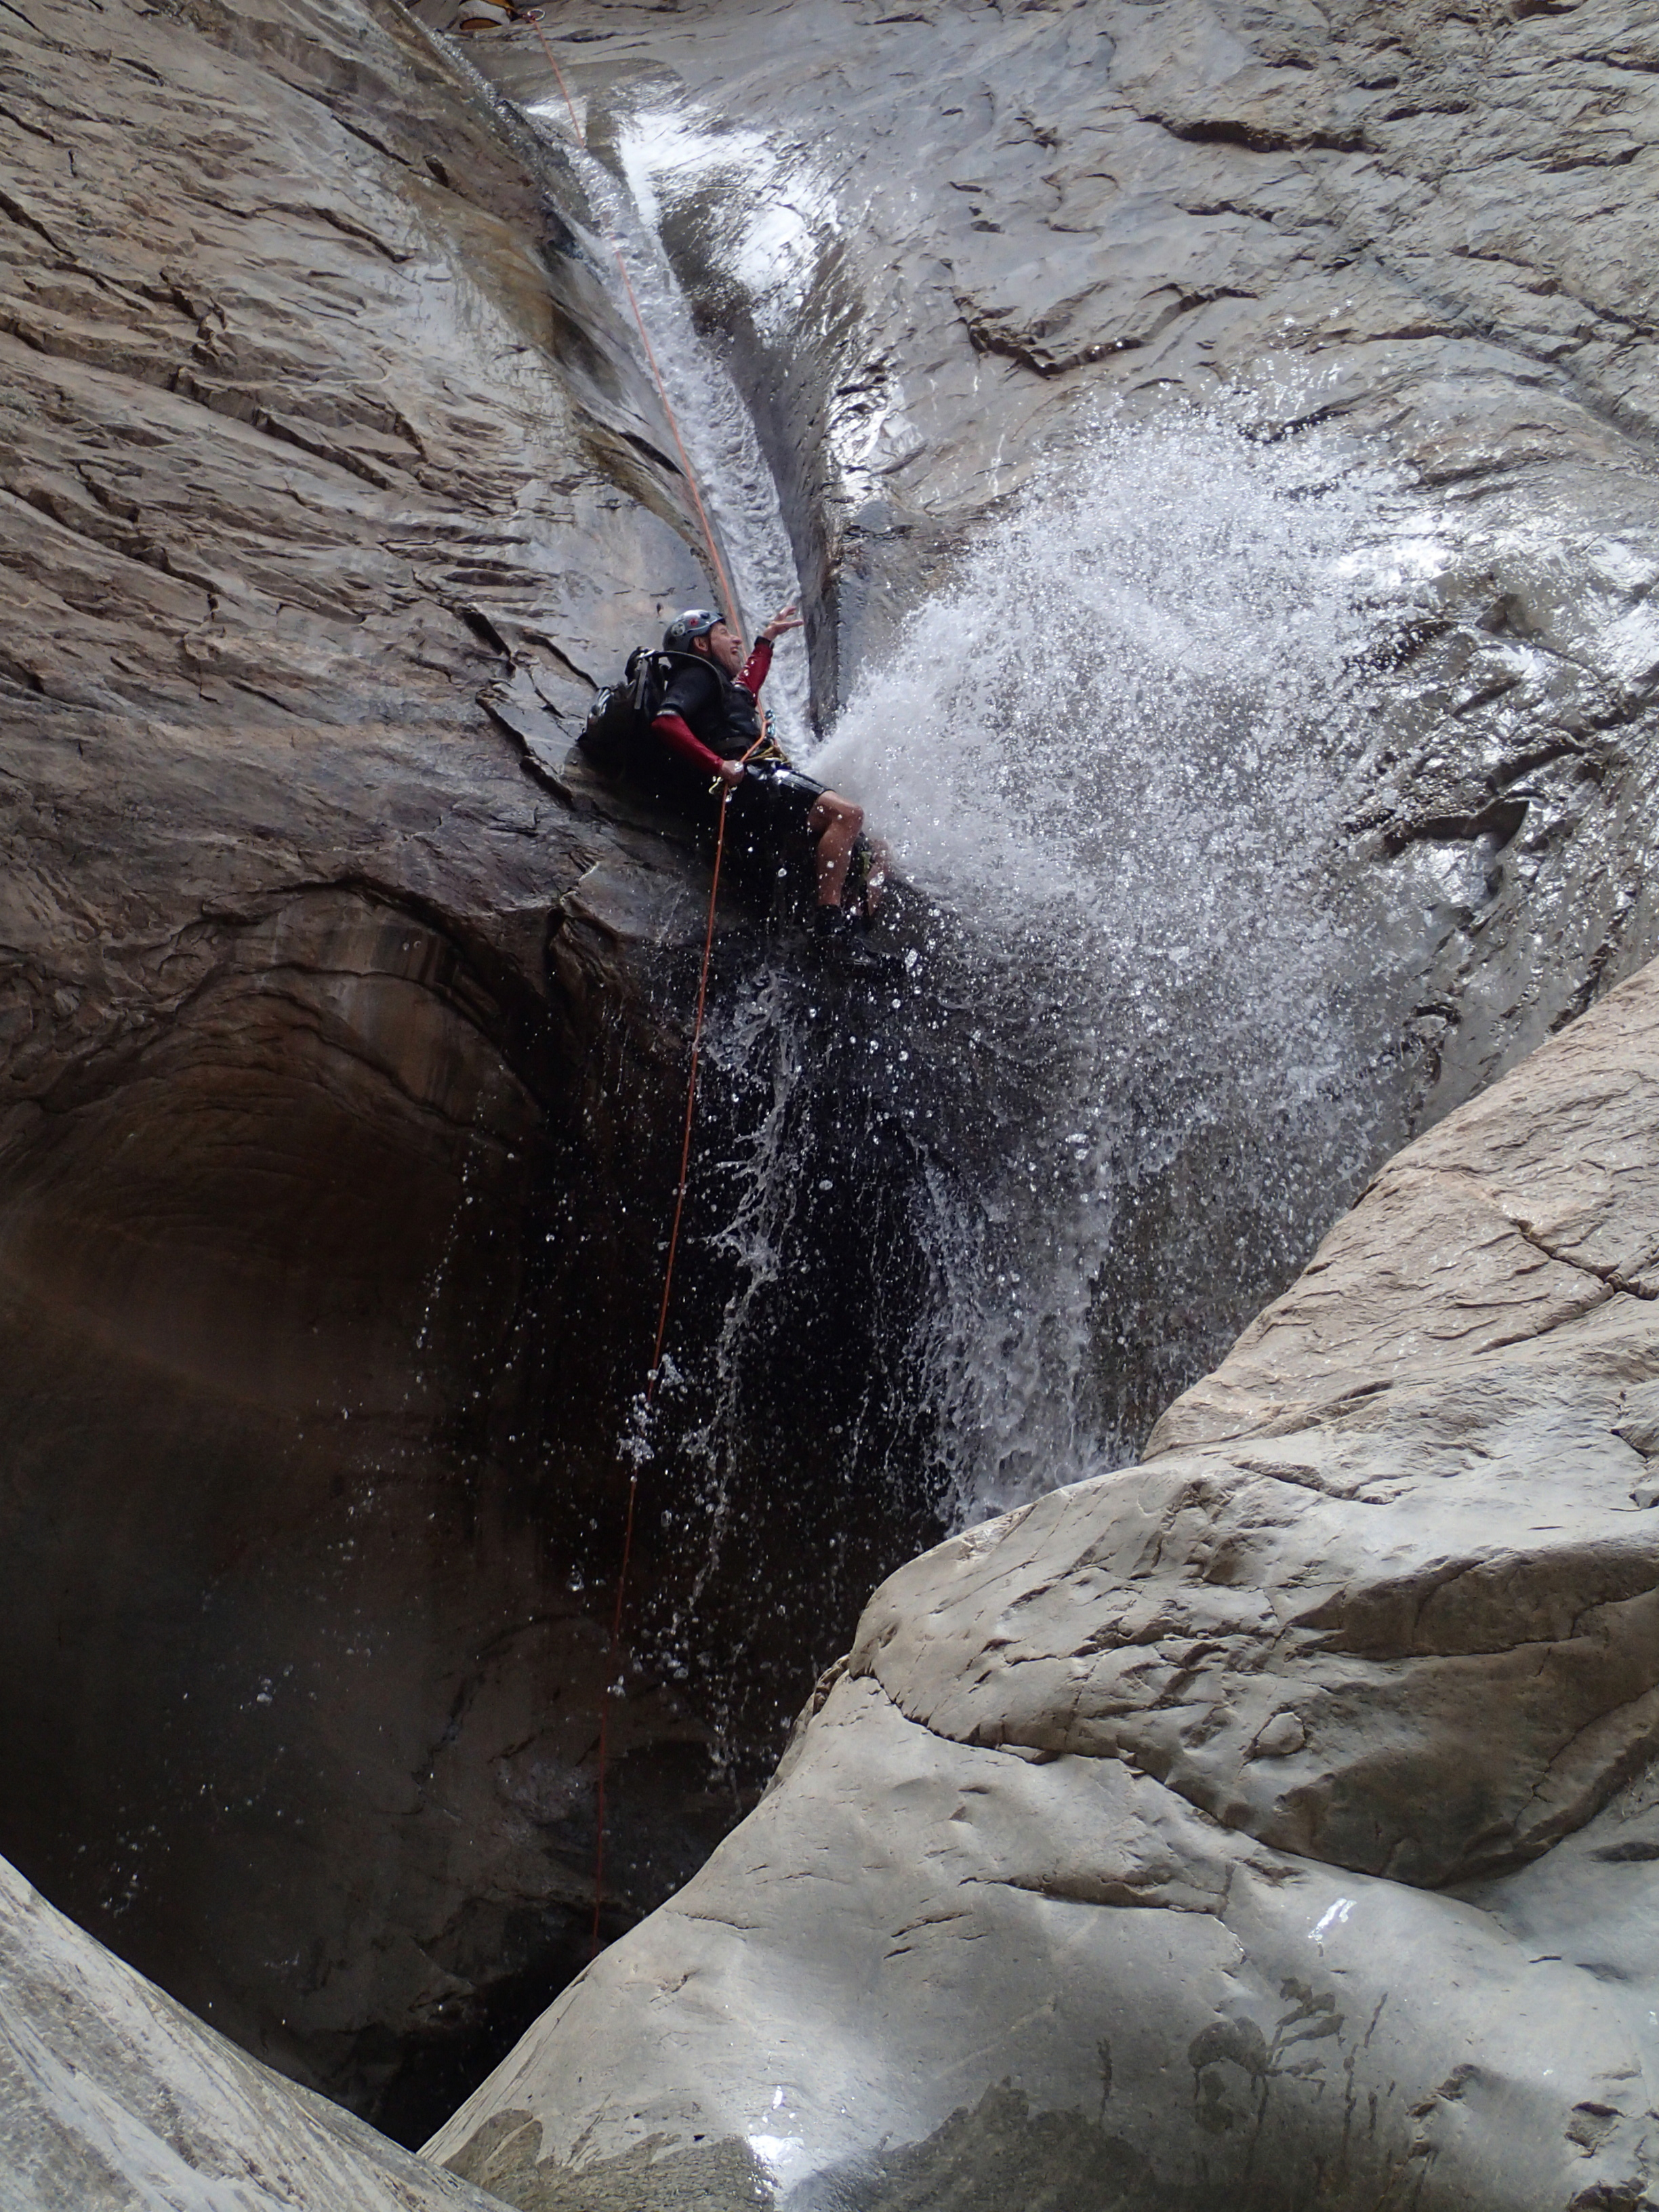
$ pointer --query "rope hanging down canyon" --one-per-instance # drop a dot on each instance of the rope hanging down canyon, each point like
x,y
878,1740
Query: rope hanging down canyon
x,y
729,597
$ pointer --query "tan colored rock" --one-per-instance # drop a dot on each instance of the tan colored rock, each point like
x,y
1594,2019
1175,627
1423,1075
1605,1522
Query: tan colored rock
x,y
310,399
343,1058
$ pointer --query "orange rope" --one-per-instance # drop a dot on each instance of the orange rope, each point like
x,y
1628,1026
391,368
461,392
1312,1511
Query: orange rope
x,y
615,1652
614,1655
690,1109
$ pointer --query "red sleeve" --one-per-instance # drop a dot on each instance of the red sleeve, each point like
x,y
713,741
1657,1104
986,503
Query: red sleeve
x,y
755,668
677,734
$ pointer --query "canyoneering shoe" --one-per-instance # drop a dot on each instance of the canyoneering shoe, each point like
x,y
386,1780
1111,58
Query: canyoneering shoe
x,y
840,943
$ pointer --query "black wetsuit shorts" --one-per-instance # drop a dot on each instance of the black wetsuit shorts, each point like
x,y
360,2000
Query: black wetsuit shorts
x,y
772,803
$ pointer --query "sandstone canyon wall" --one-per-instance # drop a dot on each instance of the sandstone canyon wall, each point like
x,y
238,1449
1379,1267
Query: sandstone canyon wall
x,y
308,399
344,1035
942,246
344,1020
941,240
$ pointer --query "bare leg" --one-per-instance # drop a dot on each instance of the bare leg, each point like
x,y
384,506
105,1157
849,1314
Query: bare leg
x,y
834,824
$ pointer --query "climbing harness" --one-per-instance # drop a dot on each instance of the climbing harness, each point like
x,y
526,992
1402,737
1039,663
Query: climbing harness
x,y
613,1654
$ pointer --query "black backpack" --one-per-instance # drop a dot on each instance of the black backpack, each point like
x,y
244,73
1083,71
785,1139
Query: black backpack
x,y
617,737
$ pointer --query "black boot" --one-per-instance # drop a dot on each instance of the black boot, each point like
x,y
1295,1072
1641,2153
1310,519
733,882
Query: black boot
x,y
840,941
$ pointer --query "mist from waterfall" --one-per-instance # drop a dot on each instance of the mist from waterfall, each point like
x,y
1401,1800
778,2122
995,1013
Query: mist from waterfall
x,y
1112,749
969,1226
1146,670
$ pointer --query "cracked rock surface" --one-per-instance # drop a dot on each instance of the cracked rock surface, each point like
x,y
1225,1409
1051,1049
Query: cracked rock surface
x,y
1270,1824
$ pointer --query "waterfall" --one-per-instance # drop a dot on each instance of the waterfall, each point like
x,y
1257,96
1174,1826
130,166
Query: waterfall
x,y
958,1234
1115,745
736,486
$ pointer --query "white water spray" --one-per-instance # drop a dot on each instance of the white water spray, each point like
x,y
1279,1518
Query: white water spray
x,y
1130,710
1109,753
1115,744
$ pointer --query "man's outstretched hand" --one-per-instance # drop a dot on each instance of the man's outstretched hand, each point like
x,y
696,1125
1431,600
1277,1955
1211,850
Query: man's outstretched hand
x,y
785,619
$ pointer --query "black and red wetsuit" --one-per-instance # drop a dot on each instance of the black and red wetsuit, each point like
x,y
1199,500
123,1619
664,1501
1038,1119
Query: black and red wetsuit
x,y
707,716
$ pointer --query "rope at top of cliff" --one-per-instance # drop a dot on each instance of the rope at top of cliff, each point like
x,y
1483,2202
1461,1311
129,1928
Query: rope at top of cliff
x,y
708,538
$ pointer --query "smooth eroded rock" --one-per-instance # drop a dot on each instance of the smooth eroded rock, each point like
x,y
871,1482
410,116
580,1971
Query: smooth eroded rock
x,y
113,2096
312,402
343,1025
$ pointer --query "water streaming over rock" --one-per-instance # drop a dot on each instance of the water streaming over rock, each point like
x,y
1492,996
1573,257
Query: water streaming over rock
x,y
732,479
958,1232
1115,749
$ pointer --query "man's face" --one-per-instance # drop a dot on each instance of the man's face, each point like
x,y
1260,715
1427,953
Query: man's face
x,y
724,647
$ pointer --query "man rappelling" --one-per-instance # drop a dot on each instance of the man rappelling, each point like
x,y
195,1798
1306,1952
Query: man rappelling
x,y
708,719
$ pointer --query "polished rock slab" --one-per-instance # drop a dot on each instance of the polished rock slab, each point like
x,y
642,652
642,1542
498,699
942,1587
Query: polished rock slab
x,y
113,2096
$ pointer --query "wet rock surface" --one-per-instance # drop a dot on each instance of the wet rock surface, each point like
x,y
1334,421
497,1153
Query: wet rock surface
x,y
1269,1824
111,2095
310,400
345,1021
343,1018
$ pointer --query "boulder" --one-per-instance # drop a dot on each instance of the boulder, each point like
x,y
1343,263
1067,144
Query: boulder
x,y
111,2095
1273,1823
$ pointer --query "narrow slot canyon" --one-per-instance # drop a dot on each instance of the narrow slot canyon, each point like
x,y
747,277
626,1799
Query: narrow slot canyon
x,y
1134,1676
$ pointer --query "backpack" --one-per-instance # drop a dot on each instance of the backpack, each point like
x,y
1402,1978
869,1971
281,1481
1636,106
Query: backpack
x,y
616,737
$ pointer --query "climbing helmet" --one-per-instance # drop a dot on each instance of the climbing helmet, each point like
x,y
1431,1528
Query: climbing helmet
x,y
696,622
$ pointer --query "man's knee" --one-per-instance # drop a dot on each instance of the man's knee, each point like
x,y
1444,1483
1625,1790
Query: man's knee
x,y
844,812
